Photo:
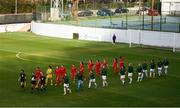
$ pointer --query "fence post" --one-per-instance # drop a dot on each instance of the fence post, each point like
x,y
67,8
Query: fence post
x,y
174,43
139,37
179,27
122,23
143,21
161,23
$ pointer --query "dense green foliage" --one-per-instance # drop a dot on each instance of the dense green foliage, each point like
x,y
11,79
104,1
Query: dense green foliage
x,y
44,51
8,6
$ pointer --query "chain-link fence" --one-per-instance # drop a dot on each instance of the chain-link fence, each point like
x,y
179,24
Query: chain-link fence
x,y
112,15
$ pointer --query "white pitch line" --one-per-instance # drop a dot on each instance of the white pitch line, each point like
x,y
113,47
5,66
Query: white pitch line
x,y
18,56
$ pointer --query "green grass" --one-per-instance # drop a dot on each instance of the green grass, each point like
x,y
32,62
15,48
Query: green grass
x,y
44,51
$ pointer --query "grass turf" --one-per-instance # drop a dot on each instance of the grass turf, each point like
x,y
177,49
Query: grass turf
x,y
44,51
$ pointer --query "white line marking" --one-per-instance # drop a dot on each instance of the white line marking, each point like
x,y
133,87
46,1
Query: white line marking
x,y
18,56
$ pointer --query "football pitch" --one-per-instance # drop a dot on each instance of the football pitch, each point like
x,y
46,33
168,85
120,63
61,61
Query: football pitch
x,y
27,51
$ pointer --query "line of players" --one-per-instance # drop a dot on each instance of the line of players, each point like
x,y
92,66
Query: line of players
x,y
39,79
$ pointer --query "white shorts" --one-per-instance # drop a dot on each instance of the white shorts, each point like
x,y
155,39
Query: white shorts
x,y
139,73
144,71
104,77
130,74
122,76
152,70
165,67
159,68
92,80
66,85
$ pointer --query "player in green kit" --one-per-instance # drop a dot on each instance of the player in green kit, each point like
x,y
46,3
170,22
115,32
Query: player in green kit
x,y
33,81
122,74
130,73
66,84
42,82
79,78
166,65
159,64
92,80
152,69
144,66
22,79
104,76
140,72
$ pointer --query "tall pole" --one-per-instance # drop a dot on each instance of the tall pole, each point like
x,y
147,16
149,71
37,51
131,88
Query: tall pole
x,y
152,10
139,7
160,16
62,8
139,12
143,17
126,15
15,6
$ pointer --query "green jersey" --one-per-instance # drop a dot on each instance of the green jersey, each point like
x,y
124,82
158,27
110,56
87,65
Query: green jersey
x,y
166,62
159,64
139,69
144,66
79,76
122,71
130,69
92,76
152,65
104,72
66,79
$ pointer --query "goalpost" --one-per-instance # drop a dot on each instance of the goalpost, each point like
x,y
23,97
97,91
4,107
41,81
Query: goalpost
x,y
174,45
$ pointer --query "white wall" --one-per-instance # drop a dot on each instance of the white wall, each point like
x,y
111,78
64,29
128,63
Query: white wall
x,y
165,39
170,6
14,27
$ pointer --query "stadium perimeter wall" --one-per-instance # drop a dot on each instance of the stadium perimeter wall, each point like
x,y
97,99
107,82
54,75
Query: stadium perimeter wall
x,y
153,38
15,27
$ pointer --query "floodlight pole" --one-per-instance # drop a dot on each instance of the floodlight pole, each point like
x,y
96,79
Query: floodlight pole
x,y
126,15
160,18
143,17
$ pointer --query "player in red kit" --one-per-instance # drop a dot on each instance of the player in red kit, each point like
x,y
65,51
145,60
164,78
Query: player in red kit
x,y
105,64
57,73
62,73
121,61
115,65
38,76
81,68
73,72
90,66
98,67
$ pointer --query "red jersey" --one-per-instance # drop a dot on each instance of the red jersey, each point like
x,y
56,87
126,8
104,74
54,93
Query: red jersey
x,y
115,64
57,72
105,64
73,70
62,71
98,67
121,62
81,69
38,74
90,67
